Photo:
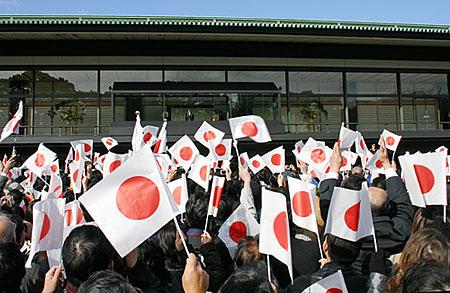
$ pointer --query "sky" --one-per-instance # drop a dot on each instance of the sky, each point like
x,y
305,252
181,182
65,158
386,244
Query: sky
x,y
400,11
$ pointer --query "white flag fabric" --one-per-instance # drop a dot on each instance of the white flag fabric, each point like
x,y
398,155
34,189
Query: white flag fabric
x,y
13,125
40,160
251,126
347,138
133,198
374,164
73,216
55,189
333,283
14,173
161,141
349,215
298,146
447,161
69,157
179,191
244,160
150,134
216,195
256,164
208,135
183,152
76,170
391,140
274,238
112,162
48,225
222,150
348,159
302,204
241,223
275,160
425,178
360,145
137,141
109,142
86,147
200,171
165,163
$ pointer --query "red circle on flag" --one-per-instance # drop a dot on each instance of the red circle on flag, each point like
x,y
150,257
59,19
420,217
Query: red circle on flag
x,y
425,178
75,175
87,147
237,231
203,171
242,160
276,159
40,160
220,150
54,168
390,140
114,165
186,153
378,164
334,290
109,141
301,204
45,227
249,129
77,155
280,229
299,149
361,144
344,161
177,195
318,156
351,217
209,135
137,198
327,170
147,137
217,196
68,213
256,164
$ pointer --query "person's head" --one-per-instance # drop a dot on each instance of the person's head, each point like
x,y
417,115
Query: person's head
x,y
358,170
196,209
353,182
379,182
379,203
7,229
340,250
106,281
251,277
85,251
425,244
247,252
12,267
427,276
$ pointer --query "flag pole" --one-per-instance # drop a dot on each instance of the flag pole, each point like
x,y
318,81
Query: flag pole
x,y
320,246
375,241
445,214
237,151
206,223
268,268
181,234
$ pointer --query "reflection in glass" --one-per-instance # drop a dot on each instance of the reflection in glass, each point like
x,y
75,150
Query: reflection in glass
x,y
194,75
423,84
371,83
374,114
420,113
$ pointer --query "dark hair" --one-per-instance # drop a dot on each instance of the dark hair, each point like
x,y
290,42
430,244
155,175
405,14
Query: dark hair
x,y
264,176
166,239
379,182
85,251
431,217
12,267
427,276
353,182
247,251
105,281
248,278
341,250
196,209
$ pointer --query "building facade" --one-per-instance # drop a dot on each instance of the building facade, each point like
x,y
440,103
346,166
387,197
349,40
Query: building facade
x,y
85,76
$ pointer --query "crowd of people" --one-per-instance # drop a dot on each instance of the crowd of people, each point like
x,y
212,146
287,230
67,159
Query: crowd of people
x,y
412,255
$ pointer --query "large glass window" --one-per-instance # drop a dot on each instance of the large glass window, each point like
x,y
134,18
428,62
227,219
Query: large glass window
x,y
194,75
423,84
316,101
371,83
15,86
66,102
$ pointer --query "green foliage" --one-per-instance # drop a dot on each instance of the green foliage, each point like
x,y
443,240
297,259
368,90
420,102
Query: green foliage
x,y
68,111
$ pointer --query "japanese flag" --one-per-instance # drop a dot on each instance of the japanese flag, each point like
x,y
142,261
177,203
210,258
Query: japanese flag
x,y
164,162
13,125
256,164
360,145
302,204
150,134
222,150
375,164
112,162
184,152
86,146
347,138
208,135
447,160
55,188
200,171
216,195
425,178
251,126
333,283
28,183
275,160
179,191
109,142
348,159
298,146
241,223
40,160
133,198
274,238
225,165
14,173
69,157
76,170
48,225
137,141
161,141
391,140
366,159
349,215
244,160
316,154
73,216
5,159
